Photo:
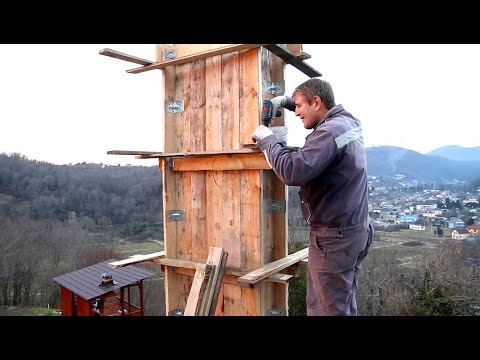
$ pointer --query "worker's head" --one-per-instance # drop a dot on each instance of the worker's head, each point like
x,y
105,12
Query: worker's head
x,y
313,99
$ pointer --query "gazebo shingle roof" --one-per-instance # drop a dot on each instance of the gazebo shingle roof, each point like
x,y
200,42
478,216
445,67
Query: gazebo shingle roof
x,y
86,282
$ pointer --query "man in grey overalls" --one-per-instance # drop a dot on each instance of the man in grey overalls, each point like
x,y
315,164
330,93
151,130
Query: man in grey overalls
x,y
331,171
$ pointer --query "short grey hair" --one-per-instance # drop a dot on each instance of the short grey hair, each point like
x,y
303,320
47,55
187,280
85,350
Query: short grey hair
x,y
317,87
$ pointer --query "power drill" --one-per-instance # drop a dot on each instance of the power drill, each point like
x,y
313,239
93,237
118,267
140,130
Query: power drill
x,y
267,112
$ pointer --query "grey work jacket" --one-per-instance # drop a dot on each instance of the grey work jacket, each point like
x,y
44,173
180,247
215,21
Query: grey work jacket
x,y
330,169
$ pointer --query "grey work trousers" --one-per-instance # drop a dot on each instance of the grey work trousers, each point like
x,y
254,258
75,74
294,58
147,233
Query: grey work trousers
x,y
334,263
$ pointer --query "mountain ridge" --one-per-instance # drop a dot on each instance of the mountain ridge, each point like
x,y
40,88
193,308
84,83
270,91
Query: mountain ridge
x,y
458,153
390,160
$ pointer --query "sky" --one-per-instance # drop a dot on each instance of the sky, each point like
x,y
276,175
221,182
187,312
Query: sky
x,y
66,104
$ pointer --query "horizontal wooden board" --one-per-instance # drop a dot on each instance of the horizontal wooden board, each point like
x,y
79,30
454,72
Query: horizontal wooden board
x,y
135,259
125,57
273,267
199,153
255,161
195,57
131,152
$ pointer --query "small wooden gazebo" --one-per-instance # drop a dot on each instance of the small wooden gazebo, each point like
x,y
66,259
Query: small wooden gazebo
x,y
99,290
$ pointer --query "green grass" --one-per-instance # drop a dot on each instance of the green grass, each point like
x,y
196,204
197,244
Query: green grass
x,y
128,248
27,311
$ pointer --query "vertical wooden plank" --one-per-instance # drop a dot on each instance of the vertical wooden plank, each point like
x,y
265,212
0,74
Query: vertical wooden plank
x,y
250,182
267,236
275,224
184,237
169,235
184,234
170,122
213,141
198,205
232,300
177,234
230,200
219,310
213,103
198,220
250,94
251,238
280,193
232,197
183,135
251,300
183,92
196,292
217,257
231,235
250,235
267,294
197,106
172,288
230,102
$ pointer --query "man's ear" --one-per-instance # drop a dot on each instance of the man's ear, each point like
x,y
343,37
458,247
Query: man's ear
x,y
317,101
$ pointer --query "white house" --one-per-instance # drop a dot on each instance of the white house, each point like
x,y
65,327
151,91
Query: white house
x,y
416,227
462,234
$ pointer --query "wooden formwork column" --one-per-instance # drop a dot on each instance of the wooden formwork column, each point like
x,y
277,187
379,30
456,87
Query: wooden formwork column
x,y
222,97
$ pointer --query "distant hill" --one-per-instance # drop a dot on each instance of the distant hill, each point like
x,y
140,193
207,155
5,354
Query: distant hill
x,y
458,153
117,195
389,160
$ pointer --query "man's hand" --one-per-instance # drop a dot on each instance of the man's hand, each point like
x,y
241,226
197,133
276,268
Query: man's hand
x,y
261,133
277,103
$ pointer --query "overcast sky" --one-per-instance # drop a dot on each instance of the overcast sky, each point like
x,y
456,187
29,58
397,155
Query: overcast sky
x,y
68,104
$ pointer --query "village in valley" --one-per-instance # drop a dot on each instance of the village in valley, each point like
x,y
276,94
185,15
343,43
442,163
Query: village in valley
x,y
446,210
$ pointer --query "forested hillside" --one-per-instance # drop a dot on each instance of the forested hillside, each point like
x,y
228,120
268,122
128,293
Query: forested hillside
x,y
102,195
